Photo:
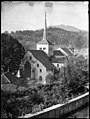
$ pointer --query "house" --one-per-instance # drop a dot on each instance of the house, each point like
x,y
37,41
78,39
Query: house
x,y
36,65
58,62
11,80
60,57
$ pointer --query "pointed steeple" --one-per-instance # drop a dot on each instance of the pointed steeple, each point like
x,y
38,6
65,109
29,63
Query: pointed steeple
x,y
45,28
71,46
44,39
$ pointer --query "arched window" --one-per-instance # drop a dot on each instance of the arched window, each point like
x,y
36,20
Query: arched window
x,y
30,57
40,48
27,69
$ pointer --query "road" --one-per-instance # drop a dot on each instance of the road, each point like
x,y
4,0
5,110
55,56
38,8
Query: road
x,y
82,113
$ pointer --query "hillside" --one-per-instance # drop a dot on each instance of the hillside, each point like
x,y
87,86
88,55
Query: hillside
x,y
68,28
57,36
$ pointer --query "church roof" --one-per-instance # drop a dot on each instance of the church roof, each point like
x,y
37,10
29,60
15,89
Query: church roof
x,y
58,53
67,51
43,58
43,42
58,60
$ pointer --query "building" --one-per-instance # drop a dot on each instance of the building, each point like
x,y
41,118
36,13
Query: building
x,y
44,44
11,81
59,58
36,65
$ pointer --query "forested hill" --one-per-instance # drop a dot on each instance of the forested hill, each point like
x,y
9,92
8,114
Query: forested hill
x,y
58,36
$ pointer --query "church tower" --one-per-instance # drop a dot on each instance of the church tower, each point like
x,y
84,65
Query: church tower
x,y
43,44
71,48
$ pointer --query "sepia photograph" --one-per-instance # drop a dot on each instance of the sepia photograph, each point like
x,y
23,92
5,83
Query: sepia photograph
x,y
45,59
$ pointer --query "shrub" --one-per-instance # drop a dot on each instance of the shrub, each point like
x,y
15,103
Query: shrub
x,y
37,108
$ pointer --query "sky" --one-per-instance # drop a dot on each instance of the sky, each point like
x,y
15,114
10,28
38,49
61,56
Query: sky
x,y
29,15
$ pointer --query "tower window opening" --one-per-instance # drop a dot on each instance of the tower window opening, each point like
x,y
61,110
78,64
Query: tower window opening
x,y
44,48
40,48
37,65
57,65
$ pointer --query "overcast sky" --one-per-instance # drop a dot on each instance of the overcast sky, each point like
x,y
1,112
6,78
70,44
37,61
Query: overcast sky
x,y
20,15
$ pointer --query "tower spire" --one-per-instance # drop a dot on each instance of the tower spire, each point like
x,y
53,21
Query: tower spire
x,y
45,27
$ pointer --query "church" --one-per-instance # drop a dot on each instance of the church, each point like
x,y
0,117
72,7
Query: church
x,y
36,64
39,63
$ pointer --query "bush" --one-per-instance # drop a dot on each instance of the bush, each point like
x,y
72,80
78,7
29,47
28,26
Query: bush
x,y
37,108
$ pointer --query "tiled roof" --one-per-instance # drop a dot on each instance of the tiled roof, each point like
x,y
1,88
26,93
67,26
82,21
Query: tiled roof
x,y
15,80
58,53
4,80
67,51
50,42
58,60
43,58
45,42
80,57
12,78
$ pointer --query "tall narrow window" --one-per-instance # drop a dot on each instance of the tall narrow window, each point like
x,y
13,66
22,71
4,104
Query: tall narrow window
x,y
44,48
57,65
37,65
40,70
40,78
30,57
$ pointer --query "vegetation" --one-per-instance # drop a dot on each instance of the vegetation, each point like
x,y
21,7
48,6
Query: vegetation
x,y
35,99
56,35
31,100
11,53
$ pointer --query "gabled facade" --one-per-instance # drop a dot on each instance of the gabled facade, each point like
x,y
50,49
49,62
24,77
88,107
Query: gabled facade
x,y
38,67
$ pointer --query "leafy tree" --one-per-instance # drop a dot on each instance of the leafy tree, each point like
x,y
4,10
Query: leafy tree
x,y
11,54
74,78
49,78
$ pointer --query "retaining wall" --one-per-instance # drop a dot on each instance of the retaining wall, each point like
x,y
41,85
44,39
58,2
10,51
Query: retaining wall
x,y
58,110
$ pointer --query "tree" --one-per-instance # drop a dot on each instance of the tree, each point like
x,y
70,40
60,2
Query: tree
x,y
49,78
74,78
11,54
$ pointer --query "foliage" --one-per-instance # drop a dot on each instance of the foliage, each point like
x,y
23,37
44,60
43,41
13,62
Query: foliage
x,y
31,100
49,78
37,108
52,78
11,54
74,78
55,35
